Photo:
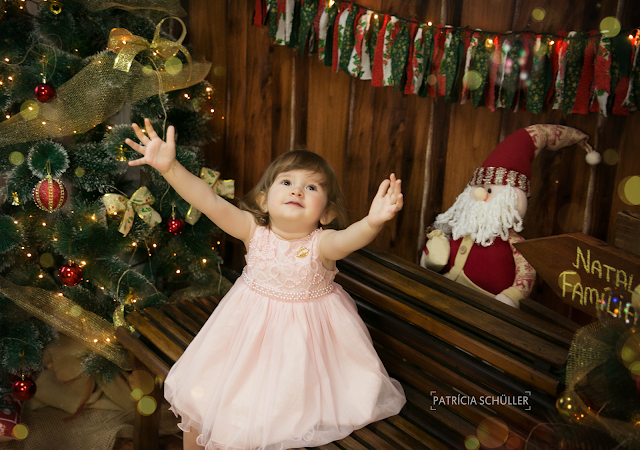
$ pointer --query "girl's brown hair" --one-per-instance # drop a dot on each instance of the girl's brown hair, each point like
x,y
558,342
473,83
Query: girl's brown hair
x,y
298,160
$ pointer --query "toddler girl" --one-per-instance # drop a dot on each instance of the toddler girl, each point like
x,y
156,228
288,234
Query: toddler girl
x,y
284,361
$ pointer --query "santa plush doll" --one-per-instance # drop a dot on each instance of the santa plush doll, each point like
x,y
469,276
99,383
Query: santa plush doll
x,y
472,242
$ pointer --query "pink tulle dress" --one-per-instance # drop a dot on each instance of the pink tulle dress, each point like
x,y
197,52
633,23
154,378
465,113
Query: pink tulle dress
x,y
284,361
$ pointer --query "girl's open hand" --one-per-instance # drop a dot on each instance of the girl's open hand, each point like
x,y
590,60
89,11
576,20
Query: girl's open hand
x,y
387,202
157,153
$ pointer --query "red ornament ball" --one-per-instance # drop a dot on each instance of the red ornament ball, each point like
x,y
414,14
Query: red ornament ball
x,y
70,274
23,389
45,92
49,194
175,226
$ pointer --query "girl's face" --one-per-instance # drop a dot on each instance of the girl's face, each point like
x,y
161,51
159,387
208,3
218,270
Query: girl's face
x,y
297,201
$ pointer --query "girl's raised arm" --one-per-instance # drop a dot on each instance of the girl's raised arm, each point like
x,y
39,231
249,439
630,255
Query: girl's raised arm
x,y
335,245
161,156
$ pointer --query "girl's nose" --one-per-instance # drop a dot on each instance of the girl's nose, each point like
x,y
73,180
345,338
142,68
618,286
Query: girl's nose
x,y
296,191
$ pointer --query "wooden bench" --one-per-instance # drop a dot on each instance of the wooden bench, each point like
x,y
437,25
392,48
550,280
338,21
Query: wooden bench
x,y
439,339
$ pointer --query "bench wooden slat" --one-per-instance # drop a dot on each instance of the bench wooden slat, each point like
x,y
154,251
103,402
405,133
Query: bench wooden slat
x,y
155,335
521,319
182,318
454,358
175,331
194,312
205,304
453,336
146,356
350,443
373,439
329,446
416,433
532,307
438,371
401,439
465,315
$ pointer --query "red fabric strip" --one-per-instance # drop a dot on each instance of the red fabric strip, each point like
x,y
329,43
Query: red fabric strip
x,y
376,70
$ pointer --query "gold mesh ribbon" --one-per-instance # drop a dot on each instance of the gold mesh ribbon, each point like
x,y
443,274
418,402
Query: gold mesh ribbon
x,y
587,352
96,93
127,45
224,188
171,7
140,203
69,318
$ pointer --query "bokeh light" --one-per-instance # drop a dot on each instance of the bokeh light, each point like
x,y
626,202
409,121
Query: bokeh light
x,y
29,109
143,380
513,443
147,406
629,190
79,172
472,80
570,217
220,71
568,279
610,27
432,79
136,395
75,311
630,353
147,69
20,431
493,432
16,158
538,14
610,156
471,443
173,66
46,260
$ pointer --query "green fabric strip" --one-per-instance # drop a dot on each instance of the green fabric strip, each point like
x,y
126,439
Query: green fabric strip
x,y
428,52
295,26
538,77
348,40
481,66
512,72
399,54
273,18
328,45
307,16
575,60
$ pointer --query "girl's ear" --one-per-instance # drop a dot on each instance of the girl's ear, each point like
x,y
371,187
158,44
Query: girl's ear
x,y
261,200
328,216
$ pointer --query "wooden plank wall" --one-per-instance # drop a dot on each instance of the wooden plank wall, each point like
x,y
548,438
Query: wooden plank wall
x,y
272,98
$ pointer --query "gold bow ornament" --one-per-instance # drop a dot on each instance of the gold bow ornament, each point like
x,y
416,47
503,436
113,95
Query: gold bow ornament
x,y
127,45
140,203
224,188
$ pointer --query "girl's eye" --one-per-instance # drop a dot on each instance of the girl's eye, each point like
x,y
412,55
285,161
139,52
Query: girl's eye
x,y
286,182
311,188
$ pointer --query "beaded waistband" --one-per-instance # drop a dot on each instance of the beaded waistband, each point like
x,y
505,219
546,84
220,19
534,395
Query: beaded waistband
x,y
286,296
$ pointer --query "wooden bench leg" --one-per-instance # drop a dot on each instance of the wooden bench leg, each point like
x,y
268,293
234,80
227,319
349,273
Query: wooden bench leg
x,y
146,424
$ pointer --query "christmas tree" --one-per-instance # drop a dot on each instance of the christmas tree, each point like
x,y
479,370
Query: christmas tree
x,y
84,238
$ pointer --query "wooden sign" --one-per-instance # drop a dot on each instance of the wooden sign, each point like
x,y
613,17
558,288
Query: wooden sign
x,y
588,273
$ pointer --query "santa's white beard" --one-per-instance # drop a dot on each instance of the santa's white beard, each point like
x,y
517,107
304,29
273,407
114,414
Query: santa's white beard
x,y
482,221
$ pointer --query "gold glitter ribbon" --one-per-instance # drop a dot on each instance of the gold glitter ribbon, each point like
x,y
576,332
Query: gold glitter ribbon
x,y
224,188
96,93
171,7
140,203
127,45
69,318
119,320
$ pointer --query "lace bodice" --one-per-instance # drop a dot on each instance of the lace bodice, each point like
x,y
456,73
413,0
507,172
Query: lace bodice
x,y
286,270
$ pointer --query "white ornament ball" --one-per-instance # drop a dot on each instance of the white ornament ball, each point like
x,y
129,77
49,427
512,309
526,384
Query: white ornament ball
x,y
593,158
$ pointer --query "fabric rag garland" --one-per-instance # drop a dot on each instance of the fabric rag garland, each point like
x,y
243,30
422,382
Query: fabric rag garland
x,y
575,72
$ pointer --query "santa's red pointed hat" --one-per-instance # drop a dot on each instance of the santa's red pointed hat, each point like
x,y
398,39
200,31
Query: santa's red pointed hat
x,y
510,161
